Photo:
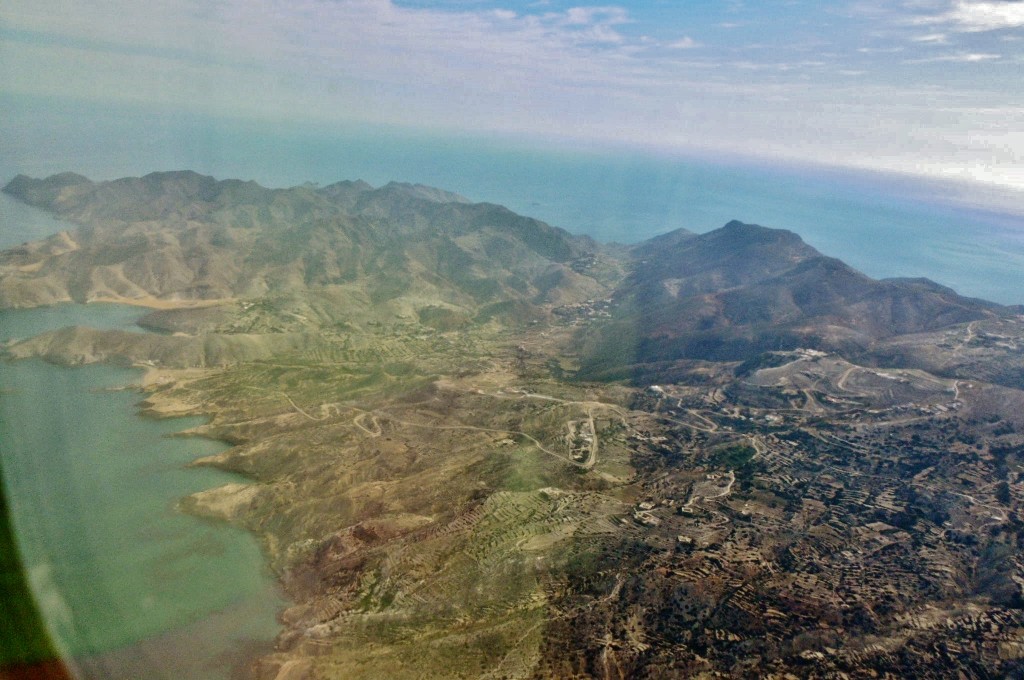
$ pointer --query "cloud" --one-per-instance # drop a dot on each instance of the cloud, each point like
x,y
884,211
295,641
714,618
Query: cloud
x,y
937,38
590,72
973,16
684,43
962,57
532,71
363,39
583,16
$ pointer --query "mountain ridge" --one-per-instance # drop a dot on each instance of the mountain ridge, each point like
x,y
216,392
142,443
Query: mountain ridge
x,y
349,252
185,236
744,289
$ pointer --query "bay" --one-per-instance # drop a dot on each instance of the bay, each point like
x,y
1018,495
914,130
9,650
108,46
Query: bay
x,y
130,586
20,223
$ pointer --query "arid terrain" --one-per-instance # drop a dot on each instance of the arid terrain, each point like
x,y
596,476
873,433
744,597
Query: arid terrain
x,y
478,446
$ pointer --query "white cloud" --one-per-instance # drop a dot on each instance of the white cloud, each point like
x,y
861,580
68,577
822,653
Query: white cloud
x,y
343,60
582,72
684,43
974,16
583,16
962,57
938,38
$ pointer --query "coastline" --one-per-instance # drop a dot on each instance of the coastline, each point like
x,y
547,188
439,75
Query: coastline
x,y
159,405
229,635
227,504
150,302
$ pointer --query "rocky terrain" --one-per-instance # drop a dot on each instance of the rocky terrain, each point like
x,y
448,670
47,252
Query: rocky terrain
x,y
481,447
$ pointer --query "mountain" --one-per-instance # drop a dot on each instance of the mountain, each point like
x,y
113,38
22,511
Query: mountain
x,y
179,236
744,289
321,257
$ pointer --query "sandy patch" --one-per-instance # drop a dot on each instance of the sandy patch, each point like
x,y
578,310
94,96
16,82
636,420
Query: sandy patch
x,y
225,502
158,303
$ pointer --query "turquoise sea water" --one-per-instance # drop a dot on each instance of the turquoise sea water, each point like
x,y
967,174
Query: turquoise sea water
x,y
131,587
885,225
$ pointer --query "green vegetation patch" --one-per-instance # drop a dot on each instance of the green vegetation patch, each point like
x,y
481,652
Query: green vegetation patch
x,y
442,319
734,456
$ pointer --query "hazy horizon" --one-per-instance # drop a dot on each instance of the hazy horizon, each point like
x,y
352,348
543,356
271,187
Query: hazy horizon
x,y
928,89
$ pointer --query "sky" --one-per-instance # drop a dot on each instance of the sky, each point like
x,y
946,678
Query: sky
x,y
928,87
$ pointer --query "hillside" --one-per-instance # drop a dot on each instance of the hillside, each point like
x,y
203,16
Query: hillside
x,y
178,237
228,257
743,289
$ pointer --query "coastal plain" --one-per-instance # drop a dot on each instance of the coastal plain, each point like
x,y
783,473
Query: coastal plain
x,y
478,446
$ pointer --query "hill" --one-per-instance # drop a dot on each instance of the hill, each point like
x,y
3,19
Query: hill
x,y
177,237
743,289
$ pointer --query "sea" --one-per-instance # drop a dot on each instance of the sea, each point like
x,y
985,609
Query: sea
x,y
132,586
968,237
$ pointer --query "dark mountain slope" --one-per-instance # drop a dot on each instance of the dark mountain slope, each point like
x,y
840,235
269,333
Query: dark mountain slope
x,y
744,289
737,254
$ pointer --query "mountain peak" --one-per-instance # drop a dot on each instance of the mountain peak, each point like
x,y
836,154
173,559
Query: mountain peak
x,y
348,185
733,255
183,235
23,183
43,192
177,176
670,240
736,231
424,192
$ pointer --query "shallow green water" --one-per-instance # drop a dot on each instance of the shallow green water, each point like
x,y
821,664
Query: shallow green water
x,y
130,586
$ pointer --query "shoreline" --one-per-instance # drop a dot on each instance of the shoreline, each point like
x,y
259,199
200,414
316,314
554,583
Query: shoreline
x,y
225,504
161,407
241,658
150,302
